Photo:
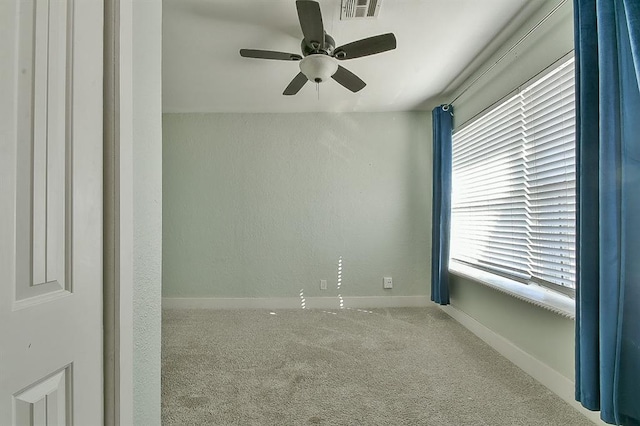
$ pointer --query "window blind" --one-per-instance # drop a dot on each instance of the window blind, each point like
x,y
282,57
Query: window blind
x,y
513,184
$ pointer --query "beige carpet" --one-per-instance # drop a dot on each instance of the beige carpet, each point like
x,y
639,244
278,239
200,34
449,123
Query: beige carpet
x,y
413,366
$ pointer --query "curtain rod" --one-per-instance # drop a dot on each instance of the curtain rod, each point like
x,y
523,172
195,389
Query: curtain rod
x,y
524,37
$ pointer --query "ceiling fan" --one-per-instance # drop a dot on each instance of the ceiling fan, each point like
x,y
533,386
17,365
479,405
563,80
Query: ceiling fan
x,y
320,61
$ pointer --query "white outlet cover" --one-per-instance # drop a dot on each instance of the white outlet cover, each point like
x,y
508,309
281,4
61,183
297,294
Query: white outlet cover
x,y
323,284
387,282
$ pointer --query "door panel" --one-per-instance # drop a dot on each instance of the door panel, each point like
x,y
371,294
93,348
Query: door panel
x,y
51,212
44,147
46,402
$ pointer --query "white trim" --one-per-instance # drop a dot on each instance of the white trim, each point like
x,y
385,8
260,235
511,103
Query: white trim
x,y
553,380
294,302
536,295
118,213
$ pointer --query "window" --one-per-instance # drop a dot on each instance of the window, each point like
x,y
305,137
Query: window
x,y
513,184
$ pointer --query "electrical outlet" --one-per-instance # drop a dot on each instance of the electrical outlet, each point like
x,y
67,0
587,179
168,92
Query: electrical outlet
x,y
387,282
323,284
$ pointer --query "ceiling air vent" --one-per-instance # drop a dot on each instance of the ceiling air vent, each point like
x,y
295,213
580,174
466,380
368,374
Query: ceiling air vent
x,y
358,9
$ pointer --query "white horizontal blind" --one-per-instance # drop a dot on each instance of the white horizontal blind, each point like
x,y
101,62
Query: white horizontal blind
x,y
551,162
489,220
513,187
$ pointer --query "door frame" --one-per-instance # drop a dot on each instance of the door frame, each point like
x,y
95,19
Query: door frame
x,y
118,214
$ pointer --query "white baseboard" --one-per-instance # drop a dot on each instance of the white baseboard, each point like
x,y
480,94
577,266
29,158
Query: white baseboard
x,y
553,380
294,302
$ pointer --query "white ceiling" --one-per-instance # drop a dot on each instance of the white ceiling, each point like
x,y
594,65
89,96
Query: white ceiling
x,y
437,40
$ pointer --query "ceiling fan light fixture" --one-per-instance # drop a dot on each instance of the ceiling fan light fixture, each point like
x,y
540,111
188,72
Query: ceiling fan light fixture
x,y
318,67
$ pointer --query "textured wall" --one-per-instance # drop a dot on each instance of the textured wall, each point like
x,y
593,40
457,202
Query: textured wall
x,y
263,205
545,335
147,210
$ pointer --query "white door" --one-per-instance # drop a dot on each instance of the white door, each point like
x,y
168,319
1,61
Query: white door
x,y
51,212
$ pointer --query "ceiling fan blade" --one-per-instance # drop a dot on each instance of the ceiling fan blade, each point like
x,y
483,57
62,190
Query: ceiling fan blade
x,y
269,54
295,85
311,22
366,46
348,79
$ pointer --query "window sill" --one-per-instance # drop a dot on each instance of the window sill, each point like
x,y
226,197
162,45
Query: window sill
x,y
534,294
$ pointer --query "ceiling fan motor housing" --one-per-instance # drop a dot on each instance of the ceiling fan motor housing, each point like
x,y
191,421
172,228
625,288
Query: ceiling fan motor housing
x,y
329,46
318,67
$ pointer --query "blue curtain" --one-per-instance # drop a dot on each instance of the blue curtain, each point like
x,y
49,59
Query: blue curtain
x,y
442,118
607,39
